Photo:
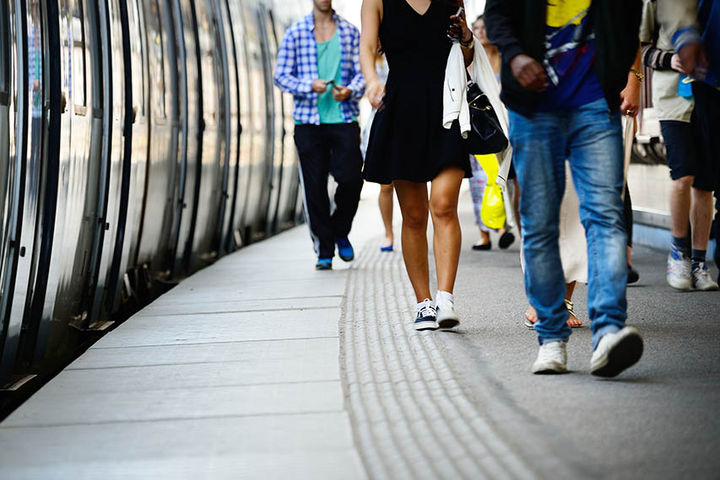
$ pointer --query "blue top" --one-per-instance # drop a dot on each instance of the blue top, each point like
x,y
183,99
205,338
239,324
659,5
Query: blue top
x,y
329,56
297,69
569,60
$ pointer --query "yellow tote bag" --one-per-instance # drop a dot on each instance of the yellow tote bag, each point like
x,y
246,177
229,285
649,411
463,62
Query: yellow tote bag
x,y
492,212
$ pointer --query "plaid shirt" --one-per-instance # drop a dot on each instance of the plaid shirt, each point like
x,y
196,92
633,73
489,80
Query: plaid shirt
x,y
297,68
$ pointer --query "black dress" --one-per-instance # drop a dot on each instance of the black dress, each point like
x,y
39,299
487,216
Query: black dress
x,y
407,138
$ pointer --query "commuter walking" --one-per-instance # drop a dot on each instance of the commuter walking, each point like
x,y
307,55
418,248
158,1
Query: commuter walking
x,y
409,145
318,63
565,64
692,29
385,197
479,179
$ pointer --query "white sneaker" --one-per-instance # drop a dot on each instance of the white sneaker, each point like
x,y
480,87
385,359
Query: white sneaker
x,y
446,315
616,351
552,358
678,271
701,279
425,319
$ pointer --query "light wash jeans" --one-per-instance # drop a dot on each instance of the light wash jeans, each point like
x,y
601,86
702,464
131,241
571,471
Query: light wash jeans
x,y
590,138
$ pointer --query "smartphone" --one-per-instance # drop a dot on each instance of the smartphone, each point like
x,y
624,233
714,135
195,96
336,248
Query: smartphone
x,y
329,82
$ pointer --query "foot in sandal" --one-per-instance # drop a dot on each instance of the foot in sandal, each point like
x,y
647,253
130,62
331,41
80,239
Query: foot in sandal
x,y
573,321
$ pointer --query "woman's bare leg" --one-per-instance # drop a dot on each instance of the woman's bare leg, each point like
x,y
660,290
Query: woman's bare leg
x,y
447,235
413,199
385,202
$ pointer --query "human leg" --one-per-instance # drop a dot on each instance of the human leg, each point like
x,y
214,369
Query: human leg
x,y
539,156
385,202
444,194
447,239
573,321
681,148
706,118
477,188
596,160
314,168
413,199
346,167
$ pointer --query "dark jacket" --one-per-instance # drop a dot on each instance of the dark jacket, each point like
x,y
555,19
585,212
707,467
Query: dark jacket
x,y
518,26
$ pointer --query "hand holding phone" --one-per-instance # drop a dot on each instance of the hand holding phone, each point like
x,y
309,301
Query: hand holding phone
x,y
458,30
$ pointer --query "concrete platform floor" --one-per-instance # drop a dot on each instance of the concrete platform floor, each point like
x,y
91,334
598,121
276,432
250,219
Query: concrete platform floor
x,y
260,367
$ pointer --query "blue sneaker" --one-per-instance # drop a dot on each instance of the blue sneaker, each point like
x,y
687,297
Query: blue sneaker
x,y
324,264
345,249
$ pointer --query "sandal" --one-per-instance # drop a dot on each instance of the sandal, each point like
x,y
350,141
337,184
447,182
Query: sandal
x,y
571,310
530,319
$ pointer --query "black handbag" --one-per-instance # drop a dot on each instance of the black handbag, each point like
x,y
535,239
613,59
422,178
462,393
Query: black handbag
x,y
486,135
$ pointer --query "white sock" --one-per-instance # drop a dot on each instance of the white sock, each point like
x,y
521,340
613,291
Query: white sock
x,y
444,297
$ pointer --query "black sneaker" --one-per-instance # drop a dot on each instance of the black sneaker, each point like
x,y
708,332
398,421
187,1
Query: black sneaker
x,y
426,317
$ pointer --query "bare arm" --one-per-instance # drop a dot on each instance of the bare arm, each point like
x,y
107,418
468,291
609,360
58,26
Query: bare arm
x,y
631,94
371,18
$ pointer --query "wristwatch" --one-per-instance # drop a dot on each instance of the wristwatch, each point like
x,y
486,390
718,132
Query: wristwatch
x,y
640,75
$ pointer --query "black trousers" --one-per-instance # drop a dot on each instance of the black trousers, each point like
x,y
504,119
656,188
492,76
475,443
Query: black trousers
x,y
329,149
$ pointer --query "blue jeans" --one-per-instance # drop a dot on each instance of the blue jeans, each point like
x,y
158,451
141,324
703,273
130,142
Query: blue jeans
x,y
590,138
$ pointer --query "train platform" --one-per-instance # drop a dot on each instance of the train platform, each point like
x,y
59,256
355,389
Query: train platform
x,y
260,367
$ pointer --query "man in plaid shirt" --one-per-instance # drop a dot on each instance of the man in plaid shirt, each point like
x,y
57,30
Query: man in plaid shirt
x,y
318,63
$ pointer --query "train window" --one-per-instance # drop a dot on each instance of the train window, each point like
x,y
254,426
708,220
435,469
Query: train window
x,y
35,59
4,54
156,57
75,44
137,53
208,46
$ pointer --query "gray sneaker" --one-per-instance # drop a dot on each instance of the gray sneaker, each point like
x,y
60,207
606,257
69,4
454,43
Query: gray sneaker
x,y
701,279
616,351
678,271
552,358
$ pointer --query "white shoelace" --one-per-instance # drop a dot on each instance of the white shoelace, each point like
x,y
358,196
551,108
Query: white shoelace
x,y
427,309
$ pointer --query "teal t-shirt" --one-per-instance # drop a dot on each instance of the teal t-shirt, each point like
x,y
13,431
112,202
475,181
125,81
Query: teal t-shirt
x,y
329,57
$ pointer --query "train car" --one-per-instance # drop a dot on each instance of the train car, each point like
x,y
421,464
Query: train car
x,y
140,140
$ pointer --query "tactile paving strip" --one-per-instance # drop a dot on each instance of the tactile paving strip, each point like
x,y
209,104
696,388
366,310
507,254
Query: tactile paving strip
x,y
411,418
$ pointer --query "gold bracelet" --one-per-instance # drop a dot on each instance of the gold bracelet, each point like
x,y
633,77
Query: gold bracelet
x,y
640,75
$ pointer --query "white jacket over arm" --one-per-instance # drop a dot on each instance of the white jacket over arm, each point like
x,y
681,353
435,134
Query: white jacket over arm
x,y
455,106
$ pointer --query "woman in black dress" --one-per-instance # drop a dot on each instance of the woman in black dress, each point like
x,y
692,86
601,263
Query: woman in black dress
x,y
408,144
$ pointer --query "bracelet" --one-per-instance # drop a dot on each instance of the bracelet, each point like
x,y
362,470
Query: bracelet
x,y
467,44
640,75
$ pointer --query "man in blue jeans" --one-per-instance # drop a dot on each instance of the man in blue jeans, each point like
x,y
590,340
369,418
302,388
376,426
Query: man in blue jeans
x,y
564,64
319,63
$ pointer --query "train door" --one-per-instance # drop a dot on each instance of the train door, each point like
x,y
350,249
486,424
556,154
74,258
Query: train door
x,y
274,118
190,139
112,184
245,93
24,174
255,217
137,76
232,126
290,179
160,187
71,236
125,118
14,127
214,148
